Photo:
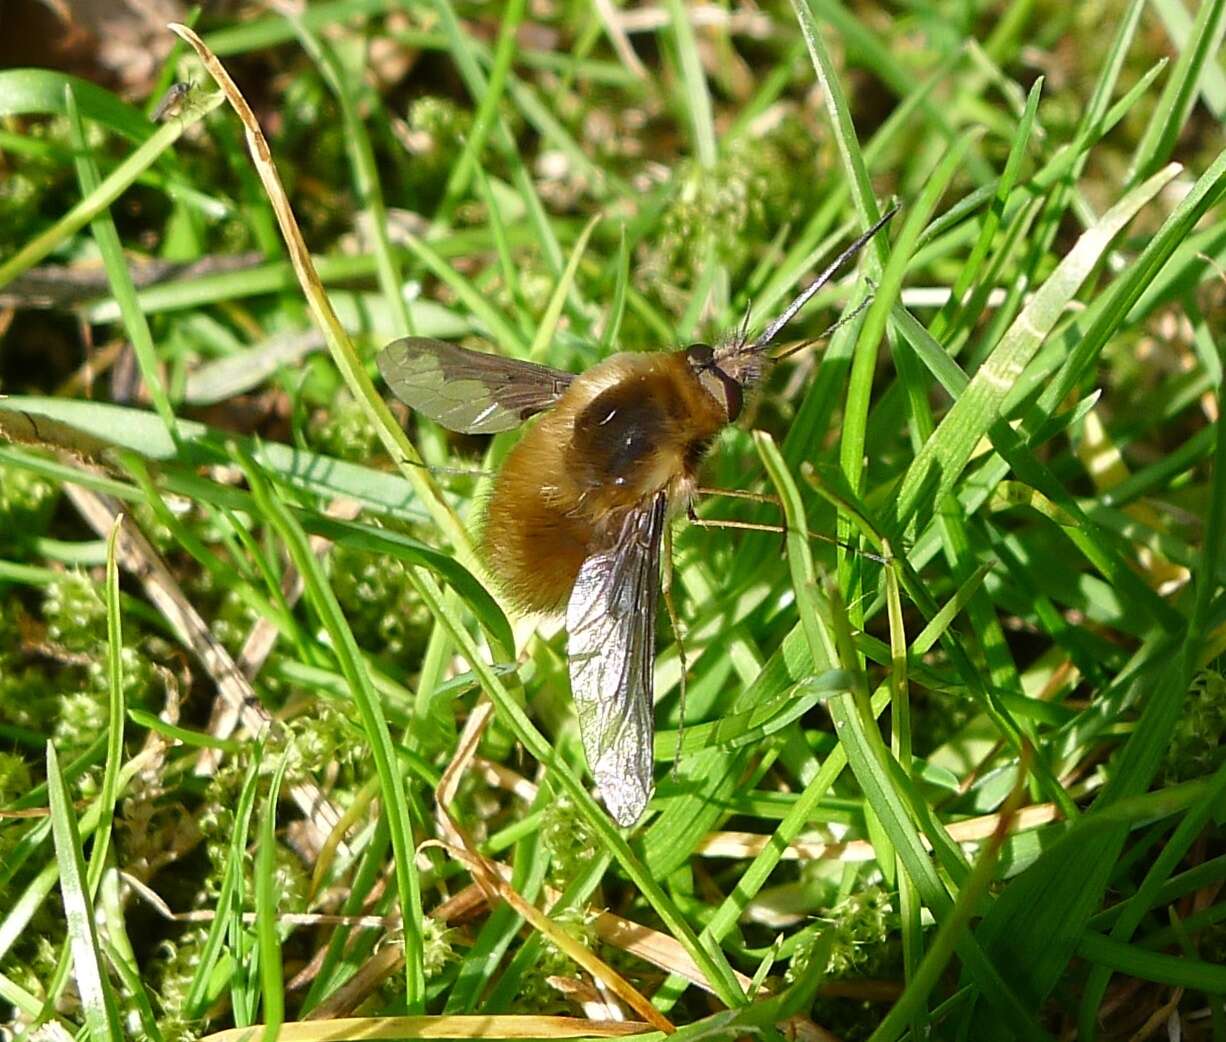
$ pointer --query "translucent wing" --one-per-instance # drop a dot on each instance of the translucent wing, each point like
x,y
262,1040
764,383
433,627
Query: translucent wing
x,y
611,621
468,391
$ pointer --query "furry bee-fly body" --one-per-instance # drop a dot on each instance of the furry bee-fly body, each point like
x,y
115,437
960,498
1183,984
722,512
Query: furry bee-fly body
x,y
632,427
579,506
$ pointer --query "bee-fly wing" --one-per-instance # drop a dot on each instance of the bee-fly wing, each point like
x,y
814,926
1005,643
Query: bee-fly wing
x,y
468,391
611,624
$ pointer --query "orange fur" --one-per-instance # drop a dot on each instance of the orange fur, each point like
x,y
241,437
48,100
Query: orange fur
x,y
564,486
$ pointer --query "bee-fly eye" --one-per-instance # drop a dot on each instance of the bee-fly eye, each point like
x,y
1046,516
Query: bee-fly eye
x,y
700,356
734,395
723,388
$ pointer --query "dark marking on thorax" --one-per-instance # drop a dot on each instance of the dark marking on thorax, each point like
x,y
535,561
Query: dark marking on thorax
x,y
619,428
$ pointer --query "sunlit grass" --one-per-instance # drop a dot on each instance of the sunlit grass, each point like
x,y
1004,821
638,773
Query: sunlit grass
x,y
958,773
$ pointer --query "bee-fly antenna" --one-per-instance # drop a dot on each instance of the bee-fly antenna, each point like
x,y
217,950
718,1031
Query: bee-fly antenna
x,y
789,313
742,334
833,328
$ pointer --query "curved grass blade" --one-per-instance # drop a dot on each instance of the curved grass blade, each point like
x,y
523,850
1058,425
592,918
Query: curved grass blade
x,y
122,286
110,189
30,92
935,469
366,701
97,999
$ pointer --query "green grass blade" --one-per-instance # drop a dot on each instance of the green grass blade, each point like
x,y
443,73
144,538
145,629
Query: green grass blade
x,y
365,175
949,315
839,112
110,189
487,111
116,704
696,96
122,286
366,701
866,752
267,925
553,310
30,92
932,474
89,969
1175,105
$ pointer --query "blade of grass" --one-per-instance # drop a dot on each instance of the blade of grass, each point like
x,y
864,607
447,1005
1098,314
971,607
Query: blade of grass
x,y
463,54
617,305
1016,927
109,189
1178,96
1091,330
509,1026
30,92
487,111
108,794
1174,17
497,326
370,709
872,331
916,1017
107,238
363,168
1190,828
866,752
1153,966
948,317
839,112
339,344
93,985
553,310
909,1011
127,971
712,963
936,467
1189,661
272,982
695,93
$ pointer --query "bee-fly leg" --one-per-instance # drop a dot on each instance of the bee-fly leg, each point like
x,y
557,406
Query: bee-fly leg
x,y
736,493
779,530
459,472
666,587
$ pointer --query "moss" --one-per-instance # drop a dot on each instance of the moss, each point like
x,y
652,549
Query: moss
x,y
569,839
1196,748
437,947
436,131
75,612
378,599
27,502
28,697
171,974
322,740
537,993
14,777
344,430
759,184
860,925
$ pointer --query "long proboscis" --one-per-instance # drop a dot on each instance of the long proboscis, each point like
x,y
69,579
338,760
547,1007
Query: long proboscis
x,y
832,269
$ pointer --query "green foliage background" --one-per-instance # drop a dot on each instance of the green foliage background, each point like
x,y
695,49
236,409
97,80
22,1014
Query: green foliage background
x,y
1023,612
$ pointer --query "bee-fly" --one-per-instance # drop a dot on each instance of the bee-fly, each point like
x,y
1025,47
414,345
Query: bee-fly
x,y
580,505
